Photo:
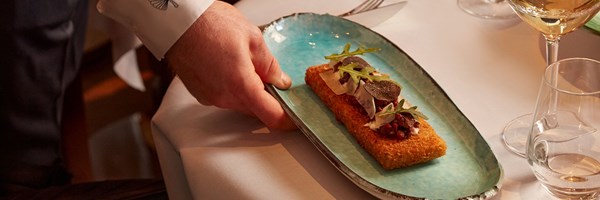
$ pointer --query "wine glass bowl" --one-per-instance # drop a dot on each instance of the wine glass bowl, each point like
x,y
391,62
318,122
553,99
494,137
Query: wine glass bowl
x,y
555,18
563,145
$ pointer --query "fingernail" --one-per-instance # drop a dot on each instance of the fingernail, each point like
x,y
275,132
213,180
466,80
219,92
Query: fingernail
x,y
284,81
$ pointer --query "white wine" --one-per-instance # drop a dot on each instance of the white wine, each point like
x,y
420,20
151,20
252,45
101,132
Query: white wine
x,y
555,18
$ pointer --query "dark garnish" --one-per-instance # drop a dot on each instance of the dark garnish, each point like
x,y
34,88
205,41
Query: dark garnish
x,y
383,90
361,63
364,73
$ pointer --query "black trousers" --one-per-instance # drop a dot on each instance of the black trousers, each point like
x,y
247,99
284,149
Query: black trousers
x,y
41,45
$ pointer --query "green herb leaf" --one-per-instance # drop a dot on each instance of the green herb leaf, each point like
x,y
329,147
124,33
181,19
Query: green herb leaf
x,y
388,111
346,53
400,109
412,111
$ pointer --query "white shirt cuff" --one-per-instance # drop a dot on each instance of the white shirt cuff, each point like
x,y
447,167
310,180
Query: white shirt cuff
x,y
158,23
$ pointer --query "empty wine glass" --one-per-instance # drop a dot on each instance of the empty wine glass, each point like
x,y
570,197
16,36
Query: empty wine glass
x,y
489,9
563,145
554,18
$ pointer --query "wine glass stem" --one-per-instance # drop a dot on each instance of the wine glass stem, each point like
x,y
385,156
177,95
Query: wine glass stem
x,y
551,50
552,57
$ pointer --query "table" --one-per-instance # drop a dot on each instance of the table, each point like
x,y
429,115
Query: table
x,y
491,70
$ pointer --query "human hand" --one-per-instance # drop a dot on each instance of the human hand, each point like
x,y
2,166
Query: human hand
x,y
223,61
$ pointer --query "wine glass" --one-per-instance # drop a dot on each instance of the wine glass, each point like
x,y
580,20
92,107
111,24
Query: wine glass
x,y
562,148
488,9
554,18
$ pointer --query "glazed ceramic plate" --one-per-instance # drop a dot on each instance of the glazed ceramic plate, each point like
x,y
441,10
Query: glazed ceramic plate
x,y
594,23
469,169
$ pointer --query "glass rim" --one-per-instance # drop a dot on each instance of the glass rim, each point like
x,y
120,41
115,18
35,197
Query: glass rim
x,y
551,67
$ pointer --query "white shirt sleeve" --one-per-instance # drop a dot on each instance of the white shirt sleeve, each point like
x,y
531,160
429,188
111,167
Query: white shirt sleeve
x,y
157,23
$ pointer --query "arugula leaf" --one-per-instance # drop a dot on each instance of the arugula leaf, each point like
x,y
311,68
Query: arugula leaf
x,y
400,109
412,111
365,72
346,52
388,111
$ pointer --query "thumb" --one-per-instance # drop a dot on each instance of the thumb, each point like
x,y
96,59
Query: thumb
x,y
267,68
276,76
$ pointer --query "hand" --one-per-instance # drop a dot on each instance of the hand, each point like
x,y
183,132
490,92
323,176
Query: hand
x,y
223,61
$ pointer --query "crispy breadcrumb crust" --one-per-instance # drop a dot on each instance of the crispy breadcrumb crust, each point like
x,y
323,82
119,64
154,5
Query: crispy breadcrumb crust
x,y
390,153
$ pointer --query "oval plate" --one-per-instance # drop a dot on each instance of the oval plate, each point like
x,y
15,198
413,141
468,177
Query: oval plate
x,y
468,170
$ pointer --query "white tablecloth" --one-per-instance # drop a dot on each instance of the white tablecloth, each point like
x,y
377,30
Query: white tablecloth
x,y
491,69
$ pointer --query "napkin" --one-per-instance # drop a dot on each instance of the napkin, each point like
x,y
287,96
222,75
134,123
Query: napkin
x,y
124,48
124,44
126,67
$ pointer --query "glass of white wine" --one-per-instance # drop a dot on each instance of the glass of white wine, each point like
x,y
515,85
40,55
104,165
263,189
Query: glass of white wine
x,y
488,9
554,18
564,145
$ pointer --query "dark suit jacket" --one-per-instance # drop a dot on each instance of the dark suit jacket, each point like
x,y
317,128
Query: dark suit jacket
x,y
41,44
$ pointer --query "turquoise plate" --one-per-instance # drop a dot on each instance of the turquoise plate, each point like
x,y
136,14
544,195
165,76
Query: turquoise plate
x,y
594,23
468,170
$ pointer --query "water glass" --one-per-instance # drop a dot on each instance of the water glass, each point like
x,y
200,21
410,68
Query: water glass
x,y
563,147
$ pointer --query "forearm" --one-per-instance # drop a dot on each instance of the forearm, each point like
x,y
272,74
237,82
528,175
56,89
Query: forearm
x,y
158,23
